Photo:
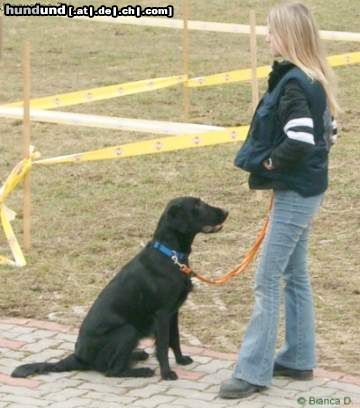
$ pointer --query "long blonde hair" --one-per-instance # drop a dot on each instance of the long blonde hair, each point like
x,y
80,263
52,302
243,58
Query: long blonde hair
x,y
297,39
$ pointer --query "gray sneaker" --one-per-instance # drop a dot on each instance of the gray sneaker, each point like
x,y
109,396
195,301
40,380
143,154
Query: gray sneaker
x,y
235,388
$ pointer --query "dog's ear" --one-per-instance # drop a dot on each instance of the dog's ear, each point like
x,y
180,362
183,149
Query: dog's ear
x,y
174,210
177,219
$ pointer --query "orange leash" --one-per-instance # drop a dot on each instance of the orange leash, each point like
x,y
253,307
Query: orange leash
x,y
245,263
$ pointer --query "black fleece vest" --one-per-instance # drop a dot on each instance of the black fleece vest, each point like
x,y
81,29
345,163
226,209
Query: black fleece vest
x,y
308,177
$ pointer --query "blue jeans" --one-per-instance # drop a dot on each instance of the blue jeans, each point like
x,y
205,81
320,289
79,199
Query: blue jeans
x,y
284,254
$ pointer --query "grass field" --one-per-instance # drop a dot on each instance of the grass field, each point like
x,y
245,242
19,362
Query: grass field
x,y
91,218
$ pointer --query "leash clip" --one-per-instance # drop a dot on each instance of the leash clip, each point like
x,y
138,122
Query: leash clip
x,y
175,259
183,268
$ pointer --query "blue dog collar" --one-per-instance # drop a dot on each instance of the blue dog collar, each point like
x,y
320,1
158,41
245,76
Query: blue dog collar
x,y
168,252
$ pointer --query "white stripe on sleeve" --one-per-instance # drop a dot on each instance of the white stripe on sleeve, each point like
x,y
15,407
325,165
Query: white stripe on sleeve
x,y
301,136
308,122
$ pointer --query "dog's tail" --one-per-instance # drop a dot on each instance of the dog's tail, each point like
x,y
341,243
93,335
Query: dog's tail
x,y
69,363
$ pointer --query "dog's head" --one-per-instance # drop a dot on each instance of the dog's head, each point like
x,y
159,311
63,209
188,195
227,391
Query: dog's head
x,y
190,215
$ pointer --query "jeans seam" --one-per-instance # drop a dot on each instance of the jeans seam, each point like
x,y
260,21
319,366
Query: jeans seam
x,y
265,352
298,323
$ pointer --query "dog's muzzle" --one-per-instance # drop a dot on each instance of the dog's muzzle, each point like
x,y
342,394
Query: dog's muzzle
x,y
208,229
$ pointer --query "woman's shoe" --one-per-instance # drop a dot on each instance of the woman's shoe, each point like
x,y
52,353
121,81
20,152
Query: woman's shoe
x,y
301,375
235,388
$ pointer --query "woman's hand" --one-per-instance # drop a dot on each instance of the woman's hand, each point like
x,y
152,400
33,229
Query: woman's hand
x,y
268,164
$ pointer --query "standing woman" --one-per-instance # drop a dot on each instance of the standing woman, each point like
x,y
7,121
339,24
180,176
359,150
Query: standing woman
x,y
287,151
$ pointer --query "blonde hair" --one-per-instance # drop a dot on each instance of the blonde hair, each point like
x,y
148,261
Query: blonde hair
x,y
297,38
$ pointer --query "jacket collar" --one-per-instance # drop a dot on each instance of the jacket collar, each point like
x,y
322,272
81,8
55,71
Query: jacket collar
x,y
279,69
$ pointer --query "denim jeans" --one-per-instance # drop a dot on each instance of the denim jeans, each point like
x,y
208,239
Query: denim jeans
x,y
284,254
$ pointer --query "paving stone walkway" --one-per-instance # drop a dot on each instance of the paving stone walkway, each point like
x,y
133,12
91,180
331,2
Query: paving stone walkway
x,y
25,341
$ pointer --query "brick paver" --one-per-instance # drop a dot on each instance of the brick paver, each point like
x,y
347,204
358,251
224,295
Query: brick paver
x,y
26,340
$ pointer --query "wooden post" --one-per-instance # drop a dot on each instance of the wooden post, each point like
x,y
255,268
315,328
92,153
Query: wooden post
x,y
185,47
253,51
1,36
254,80
26,145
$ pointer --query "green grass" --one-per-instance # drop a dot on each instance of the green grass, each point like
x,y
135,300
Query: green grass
x,y
90,219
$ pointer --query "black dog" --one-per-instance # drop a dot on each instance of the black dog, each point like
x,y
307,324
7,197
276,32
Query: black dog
x,y
143,299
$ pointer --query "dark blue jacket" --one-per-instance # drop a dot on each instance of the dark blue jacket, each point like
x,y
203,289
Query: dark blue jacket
x,y
298,166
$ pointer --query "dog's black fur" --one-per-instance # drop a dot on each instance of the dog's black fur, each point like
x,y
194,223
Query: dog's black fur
x,y
143,299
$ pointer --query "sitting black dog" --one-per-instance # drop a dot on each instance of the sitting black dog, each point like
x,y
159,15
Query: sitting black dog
x,y
143,299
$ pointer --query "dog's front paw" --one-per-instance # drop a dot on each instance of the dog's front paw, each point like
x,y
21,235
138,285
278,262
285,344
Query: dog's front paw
x,y
169,376
184,360
139,355
146,372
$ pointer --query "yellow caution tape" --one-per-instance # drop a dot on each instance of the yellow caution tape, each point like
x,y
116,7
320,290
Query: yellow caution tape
x,y
98,94
153,146
15,177
344,59
113,91
262,72
228,77
10,236
7,215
